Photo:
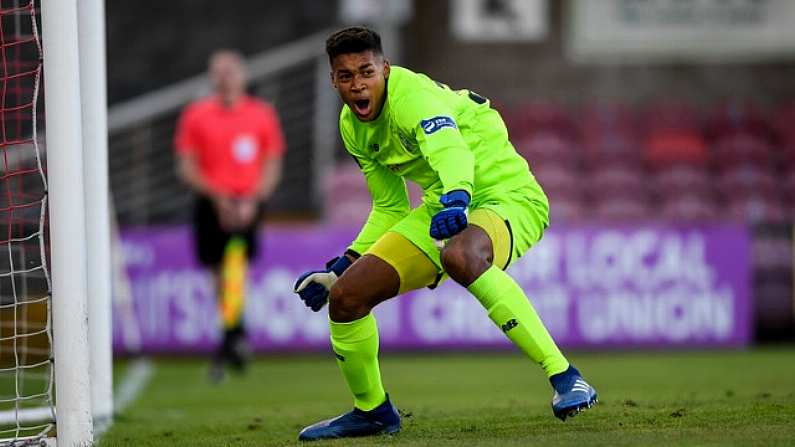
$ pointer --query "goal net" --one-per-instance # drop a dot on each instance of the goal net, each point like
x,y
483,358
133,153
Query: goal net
x,y
26,367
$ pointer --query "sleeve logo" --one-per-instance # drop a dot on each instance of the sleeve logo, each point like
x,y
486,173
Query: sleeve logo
x,y
431,125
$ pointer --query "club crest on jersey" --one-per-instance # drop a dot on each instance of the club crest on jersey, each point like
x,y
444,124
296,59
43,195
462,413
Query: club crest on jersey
x,y
375,147
431,125
408,143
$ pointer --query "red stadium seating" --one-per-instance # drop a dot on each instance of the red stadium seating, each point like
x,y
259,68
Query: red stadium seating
x,y
346,175
747,179
738,117
618,180
666,161
673,136
742,148
610,133
755,208
671,147
682,179
787,184
671,115
566,208
559,179
783,120
542,146
415,193
612,208
688,207
350,201
543,116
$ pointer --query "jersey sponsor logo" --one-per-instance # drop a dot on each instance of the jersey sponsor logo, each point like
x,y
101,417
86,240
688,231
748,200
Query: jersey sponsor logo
x,y
431,125
375,147
244,148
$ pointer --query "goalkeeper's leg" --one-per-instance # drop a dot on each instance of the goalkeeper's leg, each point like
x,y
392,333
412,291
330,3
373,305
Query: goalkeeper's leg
x,y
392,266
474,258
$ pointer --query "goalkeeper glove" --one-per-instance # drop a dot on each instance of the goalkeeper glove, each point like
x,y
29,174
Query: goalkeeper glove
x,y
313,287
453,218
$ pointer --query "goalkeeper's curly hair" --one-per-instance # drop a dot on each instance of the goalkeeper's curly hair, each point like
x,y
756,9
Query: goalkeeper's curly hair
x,y
353,39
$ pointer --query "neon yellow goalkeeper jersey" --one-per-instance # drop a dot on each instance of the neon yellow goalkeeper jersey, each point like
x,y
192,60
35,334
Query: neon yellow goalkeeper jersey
x,y
439,138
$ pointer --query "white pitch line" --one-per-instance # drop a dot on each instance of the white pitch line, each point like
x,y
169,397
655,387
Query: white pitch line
x,y
135,379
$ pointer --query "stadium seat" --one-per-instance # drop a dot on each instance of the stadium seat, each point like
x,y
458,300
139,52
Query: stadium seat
x,y
542,146
617,180
672,135
755,208
617,152
415,193
738,117
349,212
613,208
544,116
746,179
741,148
610,134
788,183
566,208
783,121
607,124
682,179
350,201
671,115
688,207
559,179
785,147
675,146
346,175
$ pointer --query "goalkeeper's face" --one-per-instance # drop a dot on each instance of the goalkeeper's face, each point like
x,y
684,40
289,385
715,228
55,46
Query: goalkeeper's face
x,y
360,80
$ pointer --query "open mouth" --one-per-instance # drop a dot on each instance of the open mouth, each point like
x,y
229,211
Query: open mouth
x,y
362,107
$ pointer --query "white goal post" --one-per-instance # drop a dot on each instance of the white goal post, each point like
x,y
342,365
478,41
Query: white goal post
x,y
91,29
67,222
74,68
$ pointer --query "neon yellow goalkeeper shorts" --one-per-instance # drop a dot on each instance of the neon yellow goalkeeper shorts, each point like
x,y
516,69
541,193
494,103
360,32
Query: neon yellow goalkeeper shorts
x,y
514,224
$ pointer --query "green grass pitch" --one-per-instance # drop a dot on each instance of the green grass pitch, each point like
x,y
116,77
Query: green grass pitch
x,y
740,398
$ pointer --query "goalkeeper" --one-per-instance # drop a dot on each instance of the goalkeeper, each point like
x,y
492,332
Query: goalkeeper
x,y
482,209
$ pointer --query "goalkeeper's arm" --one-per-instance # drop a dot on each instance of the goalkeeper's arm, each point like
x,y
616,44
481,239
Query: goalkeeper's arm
x,y
390,203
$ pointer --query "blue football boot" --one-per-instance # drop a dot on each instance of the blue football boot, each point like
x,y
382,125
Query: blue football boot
x,y
383,419
572,394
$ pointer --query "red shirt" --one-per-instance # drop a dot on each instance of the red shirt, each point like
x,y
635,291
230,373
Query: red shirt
x,y
230,143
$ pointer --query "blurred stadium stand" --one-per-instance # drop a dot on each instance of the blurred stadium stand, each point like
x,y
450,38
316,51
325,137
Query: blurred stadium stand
x,y
681,141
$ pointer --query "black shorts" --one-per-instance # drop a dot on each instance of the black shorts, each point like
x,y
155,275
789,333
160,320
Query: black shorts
x,y
210,240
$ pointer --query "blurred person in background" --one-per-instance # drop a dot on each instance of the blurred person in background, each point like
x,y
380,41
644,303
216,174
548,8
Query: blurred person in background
x,y
229,149
482,209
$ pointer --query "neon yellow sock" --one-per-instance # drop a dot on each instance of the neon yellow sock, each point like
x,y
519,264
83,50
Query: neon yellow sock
x,y
512,312
356,346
